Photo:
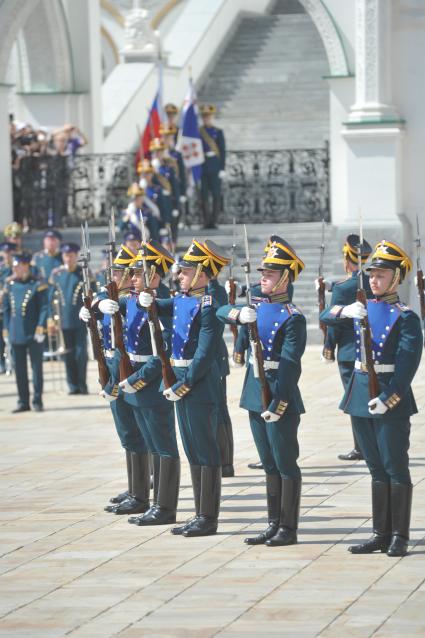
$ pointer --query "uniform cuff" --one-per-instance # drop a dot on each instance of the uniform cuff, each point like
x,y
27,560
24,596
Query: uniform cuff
x,y
181,389
136,383
40,330
329,354
335,311
233,315
392,401
278,406
238,357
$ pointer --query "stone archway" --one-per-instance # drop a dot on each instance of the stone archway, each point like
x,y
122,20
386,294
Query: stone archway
x,y
330,36
45,55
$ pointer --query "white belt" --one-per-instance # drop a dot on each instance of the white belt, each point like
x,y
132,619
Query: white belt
x,y
210,154
140,358
268,365
109,354
181,363
379,367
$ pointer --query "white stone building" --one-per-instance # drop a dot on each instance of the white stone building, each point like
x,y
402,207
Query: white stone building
x,y
71,60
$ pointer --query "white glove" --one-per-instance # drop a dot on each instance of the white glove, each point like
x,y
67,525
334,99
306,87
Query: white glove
x,y
247,315
175,213
183,199
376,406
355,310
324,360
143,183
222,175
170,395
108,306
156,163
237,285
108,397
126,387
270,417
39,338
327,284
145,299
84,314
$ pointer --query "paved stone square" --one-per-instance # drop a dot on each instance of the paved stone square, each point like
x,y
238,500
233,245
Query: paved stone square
x,y
69,569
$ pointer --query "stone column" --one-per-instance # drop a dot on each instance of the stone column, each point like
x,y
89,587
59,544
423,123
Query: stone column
x,y
84,30
6,209
373,62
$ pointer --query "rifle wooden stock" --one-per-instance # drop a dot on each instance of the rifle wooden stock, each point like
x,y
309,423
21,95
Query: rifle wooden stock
x,y
96,343
322,303
367,343
232,301
266,395
168,375
126,369
421,291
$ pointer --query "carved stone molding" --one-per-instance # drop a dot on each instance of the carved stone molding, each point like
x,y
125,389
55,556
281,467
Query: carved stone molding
x,y
39,27
330,36
373,59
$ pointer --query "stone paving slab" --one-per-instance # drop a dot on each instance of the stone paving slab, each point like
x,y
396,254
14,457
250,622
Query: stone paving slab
x,y
69,569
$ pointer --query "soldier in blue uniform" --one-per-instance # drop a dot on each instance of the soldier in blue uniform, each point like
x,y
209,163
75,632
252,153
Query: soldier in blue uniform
x,y
213,169
50,257
195,340
25,315
382,423
241,345
282,331
125,423
342,337
139,204
169,135
171,112
6,257
225,429
67,284
165,176
153,414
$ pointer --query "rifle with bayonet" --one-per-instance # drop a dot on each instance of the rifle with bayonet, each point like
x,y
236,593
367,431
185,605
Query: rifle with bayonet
x,y
87,301
168,376
125,367
419,271
365,333
232,283
254,337
321,282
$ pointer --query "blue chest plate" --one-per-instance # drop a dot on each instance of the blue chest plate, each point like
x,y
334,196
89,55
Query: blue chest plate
x,y
135,320
382,319
106,332
185,311
270,318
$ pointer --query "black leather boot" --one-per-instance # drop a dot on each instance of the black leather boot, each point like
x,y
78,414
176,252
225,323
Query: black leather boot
x,y
273,487
289,514
355,454
138,501
206,523
154,465
256,466
381,519
195,472
401,506
165,510
122,496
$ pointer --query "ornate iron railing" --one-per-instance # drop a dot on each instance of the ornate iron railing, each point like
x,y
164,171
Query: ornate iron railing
x,y
271,186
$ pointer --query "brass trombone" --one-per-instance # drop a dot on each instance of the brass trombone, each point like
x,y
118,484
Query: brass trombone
x,y
56,344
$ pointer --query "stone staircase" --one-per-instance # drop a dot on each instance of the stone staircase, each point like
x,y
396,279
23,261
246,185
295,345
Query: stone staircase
x,y
305,239
268,83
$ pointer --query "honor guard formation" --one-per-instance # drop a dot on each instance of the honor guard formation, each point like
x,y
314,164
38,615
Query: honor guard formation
x,y
156,327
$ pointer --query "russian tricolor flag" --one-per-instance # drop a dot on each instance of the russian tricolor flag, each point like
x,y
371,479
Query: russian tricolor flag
x,y
151,130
